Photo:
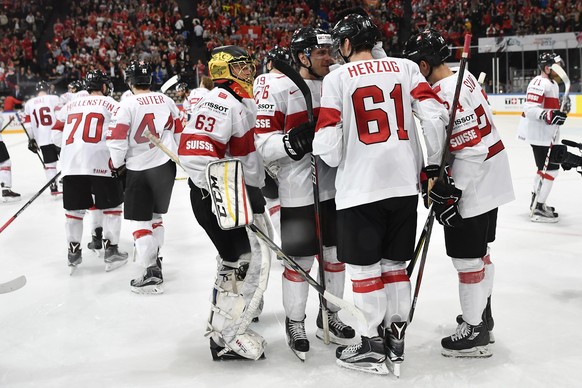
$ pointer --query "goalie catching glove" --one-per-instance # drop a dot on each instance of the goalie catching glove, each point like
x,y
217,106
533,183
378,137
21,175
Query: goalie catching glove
x,y
299,140
553,117
445,197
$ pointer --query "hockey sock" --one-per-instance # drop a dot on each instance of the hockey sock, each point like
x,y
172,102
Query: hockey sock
x,y
397,289
489,272
335,275
472,288
50,170
547,184
158,230
6,174
369,296
274,208
296,289
146,246
112,224
74,225
96,218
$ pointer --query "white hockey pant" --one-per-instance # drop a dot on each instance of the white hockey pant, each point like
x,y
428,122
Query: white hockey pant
x,y
369,296
397,288
112,224
74,225
146,245
6,174
473,290
335,275
296,289
547,184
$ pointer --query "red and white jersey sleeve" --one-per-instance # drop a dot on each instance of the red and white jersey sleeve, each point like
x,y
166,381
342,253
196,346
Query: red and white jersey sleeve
x,y
126,140
40,114
221,126
84,125
479,162
194,98
542,94
366,127
281,107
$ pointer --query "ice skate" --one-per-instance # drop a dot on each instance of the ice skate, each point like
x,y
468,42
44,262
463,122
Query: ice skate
x,y
367,356
543,214
468,342
548,208
96,237
296,337
10,196
54,189
151,282
113,257
74,256
339,332
394,342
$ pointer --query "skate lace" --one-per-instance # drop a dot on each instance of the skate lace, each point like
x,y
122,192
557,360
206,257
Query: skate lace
x,y
336,323
297,330
463,330
353,348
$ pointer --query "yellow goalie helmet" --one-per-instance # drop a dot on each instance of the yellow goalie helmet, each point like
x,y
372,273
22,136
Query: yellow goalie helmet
x,y
232,63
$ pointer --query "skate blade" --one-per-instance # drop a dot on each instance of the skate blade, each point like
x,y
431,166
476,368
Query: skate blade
x,y
475,352
10,199
148,290
334,339
114,265
300,355
73,269
544,220
379,368
394,367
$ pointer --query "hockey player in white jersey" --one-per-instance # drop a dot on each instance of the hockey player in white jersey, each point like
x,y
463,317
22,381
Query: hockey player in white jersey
x,y
125,94
196,95
284,136
149,173
222,126
75,89
466,202
40,115
6,171
87,181
366,128
540,120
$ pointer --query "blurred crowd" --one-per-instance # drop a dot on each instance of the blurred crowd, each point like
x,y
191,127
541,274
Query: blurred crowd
x,y
106,34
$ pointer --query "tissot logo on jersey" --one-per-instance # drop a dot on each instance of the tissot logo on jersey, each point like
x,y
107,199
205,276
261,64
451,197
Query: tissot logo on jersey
x,y
213,106
464,119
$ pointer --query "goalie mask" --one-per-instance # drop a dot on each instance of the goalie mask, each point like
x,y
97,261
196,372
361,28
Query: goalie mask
x,y
233,63
139,74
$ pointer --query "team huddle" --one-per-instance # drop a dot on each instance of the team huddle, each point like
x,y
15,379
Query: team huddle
x,y
354,142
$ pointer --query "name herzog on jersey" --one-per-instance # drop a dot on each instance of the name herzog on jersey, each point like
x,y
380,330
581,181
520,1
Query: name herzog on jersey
x,y
221,126
126,140
542,94
281,107
479,162
83,124
40,114
367,128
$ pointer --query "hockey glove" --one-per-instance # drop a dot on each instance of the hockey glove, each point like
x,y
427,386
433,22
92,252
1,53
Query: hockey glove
x,y
33,146
553,117
299,140
428,175
117,172
256,199
445,197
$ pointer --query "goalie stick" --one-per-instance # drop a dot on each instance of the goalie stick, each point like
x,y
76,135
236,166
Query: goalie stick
x,y
562,74
296,78
13,285
430,220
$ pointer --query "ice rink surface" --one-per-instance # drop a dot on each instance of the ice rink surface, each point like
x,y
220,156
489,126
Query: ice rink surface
x,y
89,330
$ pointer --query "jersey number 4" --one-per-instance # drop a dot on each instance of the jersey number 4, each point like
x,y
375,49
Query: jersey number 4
x,y
373,124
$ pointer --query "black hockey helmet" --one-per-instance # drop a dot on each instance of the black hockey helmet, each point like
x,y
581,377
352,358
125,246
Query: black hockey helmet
x,y
307,38
42,86
358,29
182,87
75,86
139,74
548,59
429,45
94,81
225,60
278,52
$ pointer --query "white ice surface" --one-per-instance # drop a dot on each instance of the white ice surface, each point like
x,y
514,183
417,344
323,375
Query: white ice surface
x,y
89,330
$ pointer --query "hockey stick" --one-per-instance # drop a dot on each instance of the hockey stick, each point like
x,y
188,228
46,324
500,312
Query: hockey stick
x,y
562,74
13,285
232,208
294,76
169,83
7,124
29,201
29,138
430,220
158,143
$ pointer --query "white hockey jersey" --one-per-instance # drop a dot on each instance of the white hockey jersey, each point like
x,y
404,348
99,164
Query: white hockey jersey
x,y
40,114
125,94
366,127
194,98
221,126
67,97
126,140
479,161
542,94
84,124
281,107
